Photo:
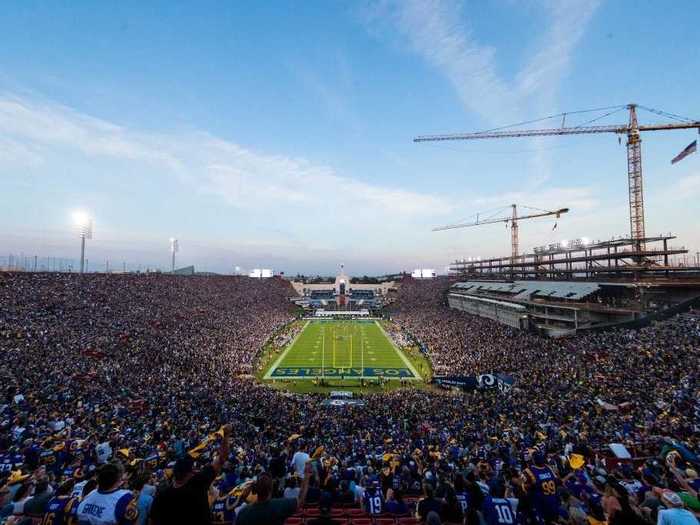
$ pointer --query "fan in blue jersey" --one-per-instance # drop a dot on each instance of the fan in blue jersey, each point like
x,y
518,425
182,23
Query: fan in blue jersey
x,y
498,510
5,464
223,509
461,493
541,483
9,462
373,500
62,508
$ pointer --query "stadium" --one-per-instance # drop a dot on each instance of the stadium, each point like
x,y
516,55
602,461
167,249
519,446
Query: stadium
x,y
329,382
238,287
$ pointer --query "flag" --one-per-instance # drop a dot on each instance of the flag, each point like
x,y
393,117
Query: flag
x,y
690,148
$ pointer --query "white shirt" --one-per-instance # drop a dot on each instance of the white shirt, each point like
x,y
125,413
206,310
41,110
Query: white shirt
x,y
107,508
299,462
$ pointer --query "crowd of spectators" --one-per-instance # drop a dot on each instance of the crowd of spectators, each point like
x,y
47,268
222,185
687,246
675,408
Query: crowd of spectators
x,y
129,399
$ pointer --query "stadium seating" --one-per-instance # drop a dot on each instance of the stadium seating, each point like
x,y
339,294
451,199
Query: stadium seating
x,y
362,521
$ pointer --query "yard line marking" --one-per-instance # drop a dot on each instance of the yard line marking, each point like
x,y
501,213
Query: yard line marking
x,y
323,352
362,356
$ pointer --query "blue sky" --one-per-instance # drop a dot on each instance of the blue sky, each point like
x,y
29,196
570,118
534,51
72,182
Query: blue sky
x,y
279,134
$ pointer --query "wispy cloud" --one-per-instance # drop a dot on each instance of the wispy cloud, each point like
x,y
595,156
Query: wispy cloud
x,y
243,178
441,33
43,123
541,76
687,187
435,31
333,92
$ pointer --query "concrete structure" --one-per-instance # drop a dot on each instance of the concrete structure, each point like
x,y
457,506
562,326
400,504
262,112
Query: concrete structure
x,y
512,314
551,307
557,308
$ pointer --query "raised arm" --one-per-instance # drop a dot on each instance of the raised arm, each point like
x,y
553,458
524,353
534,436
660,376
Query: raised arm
x,y
218,463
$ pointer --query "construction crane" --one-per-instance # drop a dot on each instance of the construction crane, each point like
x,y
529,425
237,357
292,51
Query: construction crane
x,y
512,220
634,151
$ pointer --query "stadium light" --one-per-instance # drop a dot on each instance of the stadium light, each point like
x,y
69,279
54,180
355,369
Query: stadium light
x,y
174,248
83,222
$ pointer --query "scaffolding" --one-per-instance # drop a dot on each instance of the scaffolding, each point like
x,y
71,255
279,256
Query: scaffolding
x,y
624,258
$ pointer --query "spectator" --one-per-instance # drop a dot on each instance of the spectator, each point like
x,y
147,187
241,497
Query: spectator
x,y
428,504
395,504
268,511
151,365
300,459
108,504
144,499
675,514
186,500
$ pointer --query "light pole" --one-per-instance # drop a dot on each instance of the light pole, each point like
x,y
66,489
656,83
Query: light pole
x,y
84,223
174,248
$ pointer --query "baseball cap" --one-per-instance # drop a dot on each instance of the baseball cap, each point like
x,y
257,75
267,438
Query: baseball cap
x,y
672,498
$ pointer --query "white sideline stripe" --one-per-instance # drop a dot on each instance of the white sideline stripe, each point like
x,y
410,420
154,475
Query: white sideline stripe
x,y
398,351
268,375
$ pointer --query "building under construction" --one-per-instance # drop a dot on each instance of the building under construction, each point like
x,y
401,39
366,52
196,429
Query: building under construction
x,y
580,259
569,286
575,285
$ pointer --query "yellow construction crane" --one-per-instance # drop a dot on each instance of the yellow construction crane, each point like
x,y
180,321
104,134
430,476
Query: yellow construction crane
x,y
634,150
512,220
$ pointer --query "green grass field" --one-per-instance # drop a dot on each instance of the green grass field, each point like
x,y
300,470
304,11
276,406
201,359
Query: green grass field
x,y
344,350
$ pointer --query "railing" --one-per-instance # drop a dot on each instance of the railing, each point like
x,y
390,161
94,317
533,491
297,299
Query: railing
x,y
35,263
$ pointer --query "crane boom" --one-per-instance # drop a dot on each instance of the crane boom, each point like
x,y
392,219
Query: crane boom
x,y
634,154
621,129
501,219
513,220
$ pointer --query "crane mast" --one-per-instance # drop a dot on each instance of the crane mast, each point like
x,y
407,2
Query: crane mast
x,y
514,241
634,155
634,175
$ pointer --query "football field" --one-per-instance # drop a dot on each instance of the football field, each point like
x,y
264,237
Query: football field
x,y
342,349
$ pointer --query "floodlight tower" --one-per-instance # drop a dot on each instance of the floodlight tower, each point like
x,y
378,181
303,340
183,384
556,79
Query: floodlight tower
x,y
83,222
174,248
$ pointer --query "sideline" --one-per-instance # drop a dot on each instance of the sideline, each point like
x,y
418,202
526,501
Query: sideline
x,y
268,374
408,364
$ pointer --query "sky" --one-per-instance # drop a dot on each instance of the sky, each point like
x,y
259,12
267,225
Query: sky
x,y
279,134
